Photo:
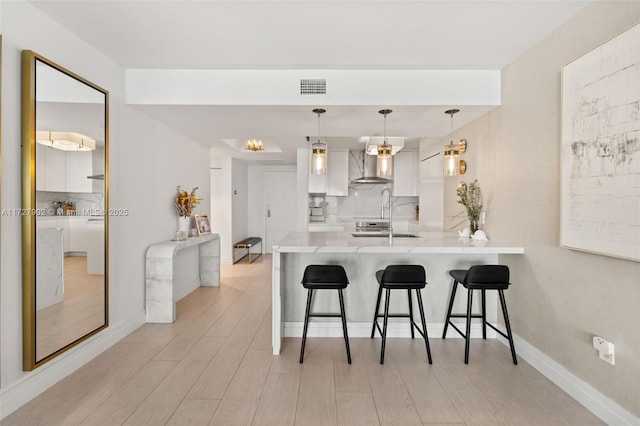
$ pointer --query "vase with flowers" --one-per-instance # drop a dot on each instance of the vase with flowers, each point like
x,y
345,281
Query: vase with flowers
x,y
470,197
185,202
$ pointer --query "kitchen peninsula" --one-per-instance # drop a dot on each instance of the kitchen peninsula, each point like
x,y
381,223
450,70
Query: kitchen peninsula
x,y
361,257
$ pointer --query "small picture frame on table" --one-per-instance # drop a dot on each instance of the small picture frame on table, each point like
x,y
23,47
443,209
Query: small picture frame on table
x,y
202,224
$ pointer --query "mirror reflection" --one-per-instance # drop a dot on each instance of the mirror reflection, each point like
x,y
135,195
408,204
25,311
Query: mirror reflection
x,y
69,241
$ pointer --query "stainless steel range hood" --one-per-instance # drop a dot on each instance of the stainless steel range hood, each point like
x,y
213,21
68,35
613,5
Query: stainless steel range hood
x,y
369,171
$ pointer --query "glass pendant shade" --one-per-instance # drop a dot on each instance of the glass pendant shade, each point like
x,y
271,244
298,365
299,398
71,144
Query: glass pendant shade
x,y
318,159
384,167
450,160
319,150
451,164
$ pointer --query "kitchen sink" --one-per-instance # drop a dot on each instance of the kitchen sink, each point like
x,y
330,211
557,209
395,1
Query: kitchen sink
x,y
382,235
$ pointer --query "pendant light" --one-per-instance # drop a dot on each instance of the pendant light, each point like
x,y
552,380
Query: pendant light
x,y
254,145
451,151
319,151
384,167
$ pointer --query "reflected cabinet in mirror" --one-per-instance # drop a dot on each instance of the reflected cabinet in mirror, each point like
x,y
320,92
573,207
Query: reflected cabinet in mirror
x,y
65,143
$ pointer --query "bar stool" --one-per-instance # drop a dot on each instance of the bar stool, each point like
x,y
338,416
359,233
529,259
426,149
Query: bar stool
x,y
400,277
324,277
480,277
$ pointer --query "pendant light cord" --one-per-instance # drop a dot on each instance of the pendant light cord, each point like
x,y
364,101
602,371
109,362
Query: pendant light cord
x,y
319,111
385,129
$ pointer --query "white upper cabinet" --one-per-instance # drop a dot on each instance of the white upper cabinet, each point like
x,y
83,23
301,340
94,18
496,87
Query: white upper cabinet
x,y
79,166
51,167
338,173
317,184
405,174
60,171
336,181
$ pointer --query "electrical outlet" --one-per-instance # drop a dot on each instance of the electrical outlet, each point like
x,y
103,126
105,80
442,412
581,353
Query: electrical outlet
x,y
606,350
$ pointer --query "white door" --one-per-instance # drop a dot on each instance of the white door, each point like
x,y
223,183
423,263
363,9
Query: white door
x,y
280,205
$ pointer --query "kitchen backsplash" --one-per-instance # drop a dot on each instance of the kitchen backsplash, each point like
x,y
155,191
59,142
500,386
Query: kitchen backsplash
x,y
366,201
83,202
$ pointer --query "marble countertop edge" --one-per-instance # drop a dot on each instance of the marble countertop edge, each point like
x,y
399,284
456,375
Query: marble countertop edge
x,y
427,242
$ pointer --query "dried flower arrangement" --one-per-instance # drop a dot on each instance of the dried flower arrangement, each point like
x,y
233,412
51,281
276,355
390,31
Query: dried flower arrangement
x,y
471,198
186,202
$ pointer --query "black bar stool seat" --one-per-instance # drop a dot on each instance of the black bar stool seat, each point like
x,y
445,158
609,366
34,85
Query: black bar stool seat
x,y
400,277
324,277
480,277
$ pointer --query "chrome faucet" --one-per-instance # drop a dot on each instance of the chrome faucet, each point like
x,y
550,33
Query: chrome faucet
x,y
390,193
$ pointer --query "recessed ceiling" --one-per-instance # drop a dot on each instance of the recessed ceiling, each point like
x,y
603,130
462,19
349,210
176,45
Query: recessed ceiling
x,y
302,34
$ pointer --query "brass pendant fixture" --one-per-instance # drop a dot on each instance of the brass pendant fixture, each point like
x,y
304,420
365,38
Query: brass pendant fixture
x,y
453,167
384,167
319,150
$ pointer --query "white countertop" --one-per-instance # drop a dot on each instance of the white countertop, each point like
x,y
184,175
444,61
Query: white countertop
x,y
69,216
427,242
169,248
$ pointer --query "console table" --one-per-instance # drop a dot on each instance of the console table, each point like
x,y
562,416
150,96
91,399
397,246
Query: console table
x,y
160,273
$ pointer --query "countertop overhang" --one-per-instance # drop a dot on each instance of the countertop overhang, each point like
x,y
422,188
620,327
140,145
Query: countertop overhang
x,y
426,242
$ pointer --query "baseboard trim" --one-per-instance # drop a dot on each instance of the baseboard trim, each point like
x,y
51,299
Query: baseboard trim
x,y
34,383
593,400
363,329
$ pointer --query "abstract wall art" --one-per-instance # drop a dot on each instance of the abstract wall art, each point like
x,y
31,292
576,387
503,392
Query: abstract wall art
x,y
600,192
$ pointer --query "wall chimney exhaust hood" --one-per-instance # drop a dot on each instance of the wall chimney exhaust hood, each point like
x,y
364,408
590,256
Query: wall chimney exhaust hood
x,y
369,163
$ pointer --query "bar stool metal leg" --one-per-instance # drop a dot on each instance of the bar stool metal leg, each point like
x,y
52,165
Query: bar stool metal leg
x,y
484,315
306,323
375,314
410,314
451,299
344,325
386,320
506,323
424,325
467,338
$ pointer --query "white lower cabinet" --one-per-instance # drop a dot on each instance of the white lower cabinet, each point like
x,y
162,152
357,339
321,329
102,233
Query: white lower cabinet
x,y
79,233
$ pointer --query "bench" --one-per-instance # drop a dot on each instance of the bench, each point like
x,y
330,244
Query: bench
x,y
247,244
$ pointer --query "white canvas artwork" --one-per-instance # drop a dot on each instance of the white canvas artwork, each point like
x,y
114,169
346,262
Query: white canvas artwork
x,y
601,149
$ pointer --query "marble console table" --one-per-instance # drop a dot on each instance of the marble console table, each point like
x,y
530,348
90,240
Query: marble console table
x,y
160,273
438,252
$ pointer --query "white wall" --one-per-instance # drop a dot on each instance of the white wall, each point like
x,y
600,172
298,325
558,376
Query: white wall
x,y
477,135
559,298
240,200
147,161
221,205
255,204
431,189
302,189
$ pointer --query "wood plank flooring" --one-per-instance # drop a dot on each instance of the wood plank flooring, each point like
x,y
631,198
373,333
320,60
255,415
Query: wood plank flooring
x,y
214,366
80,312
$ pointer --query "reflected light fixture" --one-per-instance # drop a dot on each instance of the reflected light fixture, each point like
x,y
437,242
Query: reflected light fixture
x,y
319,151
65,141
451,151
254,145
384,168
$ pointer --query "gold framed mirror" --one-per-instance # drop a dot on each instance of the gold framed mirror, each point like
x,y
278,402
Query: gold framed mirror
x,y
65,145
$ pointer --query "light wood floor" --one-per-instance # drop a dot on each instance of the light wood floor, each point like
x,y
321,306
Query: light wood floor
x,y
80,312
214,366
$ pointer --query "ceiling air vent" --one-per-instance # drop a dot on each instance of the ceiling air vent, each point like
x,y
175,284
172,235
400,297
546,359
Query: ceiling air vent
x,y
313,86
